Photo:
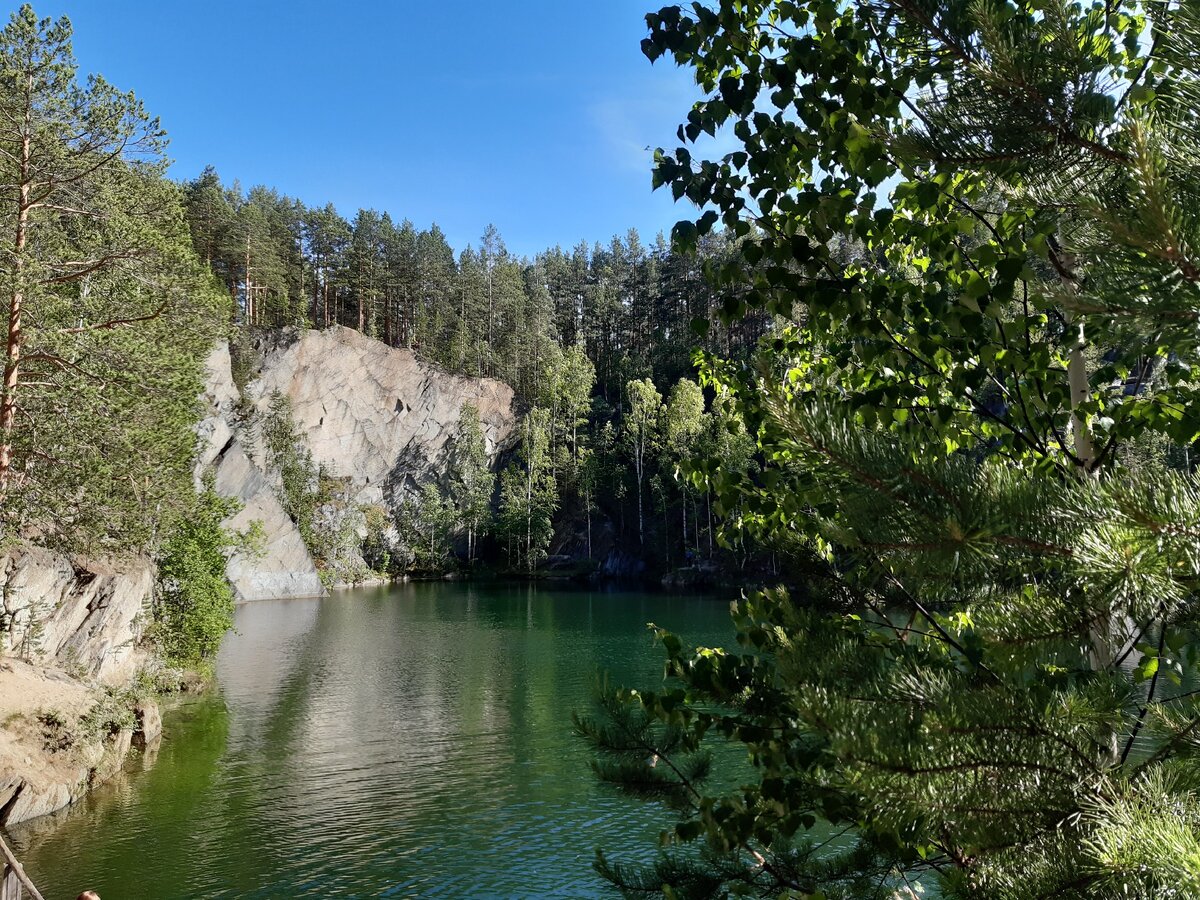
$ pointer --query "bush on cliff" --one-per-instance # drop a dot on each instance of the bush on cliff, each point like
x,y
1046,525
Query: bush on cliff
x,y
194,604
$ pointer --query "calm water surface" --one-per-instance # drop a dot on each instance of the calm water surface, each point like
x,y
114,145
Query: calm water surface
x,y
407,741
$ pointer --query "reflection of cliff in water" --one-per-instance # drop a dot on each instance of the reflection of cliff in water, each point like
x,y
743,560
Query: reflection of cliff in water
x,y
383,708
412,740
263,658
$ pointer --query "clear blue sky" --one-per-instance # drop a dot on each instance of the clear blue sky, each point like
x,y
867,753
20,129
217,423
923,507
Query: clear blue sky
x,y
532,115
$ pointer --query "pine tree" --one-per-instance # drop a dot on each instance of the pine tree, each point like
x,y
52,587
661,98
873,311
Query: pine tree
x,y
982,682
211,218
327,236
107,317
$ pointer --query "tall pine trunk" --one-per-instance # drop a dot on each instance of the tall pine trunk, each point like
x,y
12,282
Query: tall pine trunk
x,y
13,345
248,287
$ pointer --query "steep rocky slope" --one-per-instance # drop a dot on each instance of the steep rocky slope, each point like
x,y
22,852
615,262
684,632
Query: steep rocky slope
x,y
373,414
284,568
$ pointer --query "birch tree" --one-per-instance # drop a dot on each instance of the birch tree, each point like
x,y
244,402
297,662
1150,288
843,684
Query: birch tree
x,y
472,481
641,430
529,494
684,418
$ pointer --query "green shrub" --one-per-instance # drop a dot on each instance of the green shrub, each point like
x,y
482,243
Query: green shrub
x,y
194,606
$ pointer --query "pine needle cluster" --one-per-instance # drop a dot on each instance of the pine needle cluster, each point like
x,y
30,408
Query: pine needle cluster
x,y
985,680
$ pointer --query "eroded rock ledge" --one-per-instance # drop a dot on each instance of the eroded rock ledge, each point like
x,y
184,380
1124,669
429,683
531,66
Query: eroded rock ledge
x,y
69,629
83,616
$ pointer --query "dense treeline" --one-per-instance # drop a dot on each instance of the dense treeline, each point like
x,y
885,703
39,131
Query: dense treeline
x,y
597,342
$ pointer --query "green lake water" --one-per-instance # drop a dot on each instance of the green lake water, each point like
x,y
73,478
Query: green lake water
x,y
394,742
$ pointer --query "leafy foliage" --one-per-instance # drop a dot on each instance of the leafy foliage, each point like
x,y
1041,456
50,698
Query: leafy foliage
x,y
529,495
194,603
300,487
471,478
975,217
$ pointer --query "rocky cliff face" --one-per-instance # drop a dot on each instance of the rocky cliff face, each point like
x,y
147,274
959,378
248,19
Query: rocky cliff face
x,y
375,415
284,569
68,627
82,616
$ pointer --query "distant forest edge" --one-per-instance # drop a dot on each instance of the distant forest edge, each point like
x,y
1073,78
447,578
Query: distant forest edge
x,y
597,342
481,311
118,282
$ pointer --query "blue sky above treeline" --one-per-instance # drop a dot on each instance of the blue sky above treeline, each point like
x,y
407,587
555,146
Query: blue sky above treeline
x,y
535,116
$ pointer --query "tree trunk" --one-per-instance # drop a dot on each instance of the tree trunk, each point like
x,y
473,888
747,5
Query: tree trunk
x,y
710,523
529,521
325,296
13,345
641,530
1077,379
249,290
666,529
637,462
684,505
587,500
387,318
362,304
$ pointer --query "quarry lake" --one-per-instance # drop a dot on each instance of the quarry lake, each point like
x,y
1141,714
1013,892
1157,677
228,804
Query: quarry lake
x,y
404,741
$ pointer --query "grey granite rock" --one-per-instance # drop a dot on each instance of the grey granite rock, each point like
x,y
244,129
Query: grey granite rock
x,y
376,415
80,615
284,568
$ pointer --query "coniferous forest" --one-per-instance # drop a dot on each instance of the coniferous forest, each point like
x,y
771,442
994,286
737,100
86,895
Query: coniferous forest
x,y
598,342
915,370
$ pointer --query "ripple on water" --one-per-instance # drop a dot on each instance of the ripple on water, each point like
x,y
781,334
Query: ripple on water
x,y
382,743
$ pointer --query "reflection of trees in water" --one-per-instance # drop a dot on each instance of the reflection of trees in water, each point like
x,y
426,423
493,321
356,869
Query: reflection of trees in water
x,y
156,810
405,736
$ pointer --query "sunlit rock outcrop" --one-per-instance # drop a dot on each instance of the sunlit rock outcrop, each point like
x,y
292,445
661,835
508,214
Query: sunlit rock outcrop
x,y
283,568
80,615
375,415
